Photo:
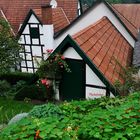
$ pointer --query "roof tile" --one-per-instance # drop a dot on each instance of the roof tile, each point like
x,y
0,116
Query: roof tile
x,y
106,48
16,10
129,14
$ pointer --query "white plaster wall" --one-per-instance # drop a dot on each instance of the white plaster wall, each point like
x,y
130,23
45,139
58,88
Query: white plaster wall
x,y
93,93
21,40
47,38
71,53
35,41
23,64
29,64
23,69
111,95
33,19
27,48
30,70
92,78
26,30
28,39
36,51
93,16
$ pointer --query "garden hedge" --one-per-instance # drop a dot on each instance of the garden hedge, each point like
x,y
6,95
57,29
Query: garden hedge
x,y
14,77
31,92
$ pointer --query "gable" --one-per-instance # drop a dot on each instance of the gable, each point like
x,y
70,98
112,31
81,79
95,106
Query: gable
x,y
92,16
102,81
31,18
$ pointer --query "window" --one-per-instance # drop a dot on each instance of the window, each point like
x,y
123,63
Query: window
x,y
34,32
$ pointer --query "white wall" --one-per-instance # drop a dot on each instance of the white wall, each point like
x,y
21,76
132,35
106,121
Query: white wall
x,y
93,93
91,17
47,38
92,78
71,53
33,19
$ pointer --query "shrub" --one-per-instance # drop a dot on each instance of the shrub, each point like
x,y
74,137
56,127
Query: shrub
x,y
18,85
4,88
53,66
47,110
30,91
15,77
83,121
131,75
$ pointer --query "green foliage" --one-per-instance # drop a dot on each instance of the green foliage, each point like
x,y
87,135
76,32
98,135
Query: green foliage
x,y
53,66
82,120
132,81
14,77
9,48
46,110
4,88
9,108
32,92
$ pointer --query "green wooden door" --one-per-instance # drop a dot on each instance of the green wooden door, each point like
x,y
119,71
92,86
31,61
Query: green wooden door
x,y
72,86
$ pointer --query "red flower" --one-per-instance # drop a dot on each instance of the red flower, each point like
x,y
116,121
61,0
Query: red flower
x,y
43,81
60,63
37,135
49,51
62,57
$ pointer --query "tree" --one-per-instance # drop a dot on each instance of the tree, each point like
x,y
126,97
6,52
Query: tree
x,y
9,48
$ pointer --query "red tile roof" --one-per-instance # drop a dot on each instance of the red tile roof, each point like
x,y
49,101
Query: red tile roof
x,y
106,47
16,10
130,12
60,19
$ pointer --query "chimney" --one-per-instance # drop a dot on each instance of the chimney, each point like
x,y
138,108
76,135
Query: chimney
x,y
46,14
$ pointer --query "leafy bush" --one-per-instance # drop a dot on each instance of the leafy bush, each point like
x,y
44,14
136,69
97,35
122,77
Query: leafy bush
x,y
15,77
4,88
83,120
131,75
32,92
47,110
18,85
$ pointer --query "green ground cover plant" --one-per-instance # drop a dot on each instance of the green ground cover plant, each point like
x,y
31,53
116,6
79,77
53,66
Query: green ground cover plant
x,y
9,108
101,119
